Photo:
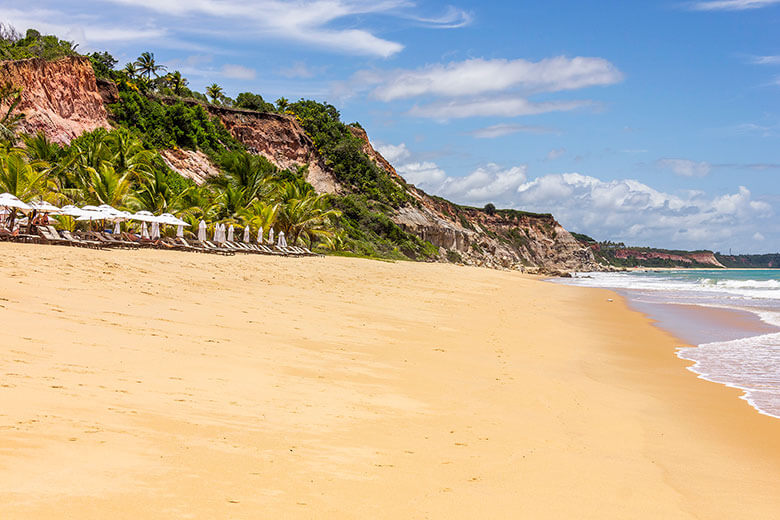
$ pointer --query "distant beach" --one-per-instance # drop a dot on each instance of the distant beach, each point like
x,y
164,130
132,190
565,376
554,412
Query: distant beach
x,y
148,384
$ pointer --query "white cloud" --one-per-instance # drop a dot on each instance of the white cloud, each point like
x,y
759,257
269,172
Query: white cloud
x,y
766,60
305,21
622,209
481,76
490,183
502,129
686,167
631,211
238,72
83,29
495,106
555,153
732,5
758,237
393,153
422,174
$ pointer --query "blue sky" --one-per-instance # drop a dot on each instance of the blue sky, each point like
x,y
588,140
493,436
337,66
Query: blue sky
x,y
654,123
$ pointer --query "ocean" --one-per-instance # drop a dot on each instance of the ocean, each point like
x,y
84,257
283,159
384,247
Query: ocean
x,y
743,352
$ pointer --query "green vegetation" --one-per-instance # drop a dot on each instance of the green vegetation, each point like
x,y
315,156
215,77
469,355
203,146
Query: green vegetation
x,y
171,126
157,110
770,261
343,153
14,46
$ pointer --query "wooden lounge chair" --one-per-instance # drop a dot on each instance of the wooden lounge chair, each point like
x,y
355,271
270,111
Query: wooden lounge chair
x,y
80,242
51,238
117,240
213,247
192,246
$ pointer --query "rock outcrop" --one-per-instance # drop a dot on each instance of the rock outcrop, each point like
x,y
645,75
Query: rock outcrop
x,y
280,139
59,98
190,164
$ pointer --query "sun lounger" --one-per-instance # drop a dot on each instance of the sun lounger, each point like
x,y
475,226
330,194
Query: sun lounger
x,y
80,242
51,238
215,248
110,238
194,246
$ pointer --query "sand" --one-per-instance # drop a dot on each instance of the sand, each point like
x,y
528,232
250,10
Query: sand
x,y
162,385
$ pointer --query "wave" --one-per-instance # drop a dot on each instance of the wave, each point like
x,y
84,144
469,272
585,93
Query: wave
x,y
749,364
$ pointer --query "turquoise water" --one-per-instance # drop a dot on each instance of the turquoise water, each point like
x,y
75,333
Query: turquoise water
x,y
731,357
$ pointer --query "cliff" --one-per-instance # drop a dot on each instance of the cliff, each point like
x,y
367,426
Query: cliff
x,y
59,97
63,99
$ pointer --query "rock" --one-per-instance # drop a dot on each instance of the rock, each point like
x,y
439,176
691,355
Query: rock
x,y
59,98
190,164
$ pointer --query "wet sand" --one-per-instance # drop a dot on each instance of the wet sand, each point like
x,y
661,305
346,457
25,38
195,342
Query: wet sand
x,y
151,384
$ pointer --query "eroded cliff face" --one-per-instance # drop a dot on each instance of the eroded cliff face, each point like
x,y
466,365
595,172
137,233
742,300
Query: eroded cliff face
x,y
190,164
505,239
59,97
63,99
280,139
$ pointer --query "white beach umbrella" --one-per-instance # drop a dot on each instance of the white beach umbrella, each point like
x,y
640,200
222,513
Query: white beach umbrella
x,y
246,238
281,241
201,231
117,230
216,233
155,234
230,233
144,231
44,207
180,230
260,236
171,220
145,216
71,211
271,236
114,213
222,232
11,201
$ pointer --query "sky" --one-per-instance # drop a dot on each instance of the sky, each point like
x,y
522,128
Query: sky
x,y
652,123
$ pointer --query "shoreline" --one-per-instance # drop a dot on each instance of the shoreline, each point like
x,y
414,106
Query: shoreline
x,y
147,384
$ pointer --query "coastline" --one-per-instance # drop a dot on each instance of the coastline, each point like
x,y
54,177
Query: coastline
x,y
148,384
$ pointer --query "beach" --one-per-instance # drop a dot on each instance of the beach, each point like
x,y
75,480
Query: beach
x,y
157,384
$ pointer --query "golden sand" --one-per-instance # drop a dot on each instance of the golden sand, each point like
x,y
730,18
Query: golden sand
x,y
164,385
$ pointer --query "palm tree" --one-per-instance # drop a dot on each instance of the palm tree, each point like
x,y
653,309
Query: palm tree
x,y
10,96
259,214
156,195
177,82
21,179
147,66
107,186
131,70
214,91
282,104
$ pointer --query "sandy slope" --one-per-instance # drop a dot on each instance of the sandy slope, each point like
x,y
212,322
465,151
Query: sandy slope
x,y
146,384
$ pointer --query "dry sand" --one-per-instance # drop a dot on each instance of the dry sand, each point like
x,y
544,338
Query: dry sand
x,y
150,384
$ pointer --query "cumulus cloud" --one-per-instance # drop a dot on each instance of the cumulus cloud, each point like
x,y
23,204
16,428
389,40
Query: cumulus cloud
x,y
489,183
622,209
393,153
686,167
732,5
634,212
502,129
